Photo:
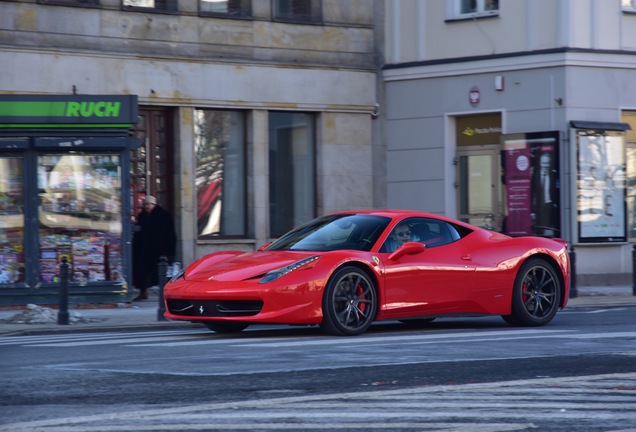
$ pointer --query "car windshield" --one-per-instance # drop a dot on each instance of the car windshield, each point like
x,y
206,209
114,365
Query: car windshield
x,y
335,232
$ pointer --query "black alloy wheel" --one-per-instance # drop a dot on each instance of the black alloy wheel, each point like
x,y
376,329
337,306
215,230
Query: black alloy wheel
x,y
536,295
350,302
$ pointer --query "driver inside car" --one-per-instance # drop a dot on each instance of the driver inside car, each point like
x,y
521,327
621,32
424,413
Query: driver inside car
x,y
401,234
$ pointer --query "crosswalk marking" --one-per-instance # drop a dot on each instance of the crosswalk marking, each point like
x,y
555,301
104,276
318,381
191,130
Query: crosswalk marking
x,y
185,338
182,338
521,405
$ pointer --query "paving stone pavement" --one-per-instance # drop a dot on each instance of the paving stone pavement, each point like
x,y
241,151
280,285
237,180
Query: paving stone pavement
x,y
36,319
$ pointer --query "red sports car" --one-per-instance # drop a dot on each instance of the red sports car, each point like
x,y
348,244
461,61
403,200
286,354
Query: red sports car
x,y
346,270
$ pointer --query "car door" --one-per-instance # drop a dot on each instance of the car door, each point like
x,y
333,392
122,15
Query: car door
x,y
436,280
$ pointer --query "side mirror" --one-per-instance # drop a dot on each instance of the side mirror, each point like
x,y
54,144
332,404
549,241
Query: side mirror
x,y
410,248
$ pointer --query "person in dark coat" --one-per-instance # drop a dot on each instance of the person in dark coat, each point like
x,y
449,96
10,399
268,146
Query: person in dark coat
x,y
155,237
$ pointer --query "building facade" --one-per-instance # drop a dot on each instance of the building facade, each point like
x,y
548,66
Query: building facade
x,y
253,116
517,115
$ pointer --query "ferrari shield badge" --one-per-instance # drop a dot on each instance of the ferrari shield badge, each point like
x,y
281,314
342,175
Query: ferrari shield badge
x,y
376,260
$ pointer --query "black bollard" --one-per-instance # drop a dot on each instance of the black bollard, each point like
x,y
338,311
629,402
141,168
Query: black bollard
x,y
62,314
573,291
163,271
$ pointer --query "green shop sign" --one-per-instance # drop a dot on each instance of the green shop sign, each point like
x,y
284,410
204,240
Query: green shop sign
x,y
20,111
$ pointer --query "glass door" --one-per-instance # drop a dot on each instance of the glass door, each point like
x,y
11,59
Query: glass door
x,y
479,187
11,220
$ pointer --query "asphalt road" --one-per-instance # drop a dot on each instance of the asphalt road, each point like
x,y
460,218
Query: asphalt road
x,y
577,374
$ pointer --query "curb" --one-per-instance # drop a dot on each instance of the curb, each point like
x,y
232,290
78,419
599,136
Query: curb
x,y
66,329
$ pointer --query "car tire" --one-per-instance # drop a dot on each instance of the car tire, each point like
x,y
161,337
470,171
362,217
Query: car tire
x,y
226,326
349,303
536,295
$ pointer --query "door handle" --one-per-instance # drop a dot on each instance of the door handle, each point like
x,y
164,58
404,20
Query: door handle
x,y
466,257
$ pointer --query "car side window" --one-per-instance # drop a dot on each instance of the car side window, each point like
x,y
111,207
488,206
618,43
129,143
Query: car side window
x,y
430,232
436,232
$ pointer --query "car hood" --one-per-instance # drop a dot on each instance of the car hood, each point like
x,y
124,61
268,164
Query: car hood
x,y
243,266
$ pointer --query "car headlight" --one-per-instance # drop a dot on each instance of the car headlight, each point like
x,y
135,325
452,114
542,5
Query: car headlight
x,y
178,275
275,274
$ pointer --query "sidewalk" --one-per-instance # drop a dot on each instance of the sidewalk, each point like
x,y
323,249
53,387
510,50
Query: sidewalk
x,y
144,315
89,318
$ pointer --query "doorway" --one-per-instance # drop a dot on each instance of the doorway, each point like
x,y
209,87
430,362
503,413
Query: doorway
x,y
479,194
151,167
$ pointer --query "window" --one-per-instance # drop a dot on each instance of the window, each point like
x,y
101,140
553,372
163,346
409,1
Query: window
x,y
629,117
631,189
219,145
334,232
291,170
158,5
79,216
601,185
228,8
71,2
629,4
12,233
298,10
472,8
430,232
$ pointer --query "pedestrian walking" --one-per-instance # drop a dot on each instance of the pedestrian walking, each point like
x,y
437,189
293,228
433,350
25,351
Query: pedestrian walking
x,y
155,236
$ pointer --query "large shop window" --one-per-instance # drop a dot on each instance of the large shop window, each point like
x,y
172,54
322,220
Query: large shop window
x,y
11,220
80,216
532,184
298,10
600,182
291,170
631,189
220,173
629,118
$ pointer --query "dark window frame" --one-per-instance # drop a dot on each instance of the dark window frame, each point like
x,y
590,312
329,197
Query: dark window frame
x,y
312,16
239,9
73,3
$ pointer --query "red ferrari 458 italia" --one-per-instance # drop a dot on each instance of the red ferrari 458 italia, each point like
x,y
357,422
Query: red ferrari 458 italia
x,y
346,270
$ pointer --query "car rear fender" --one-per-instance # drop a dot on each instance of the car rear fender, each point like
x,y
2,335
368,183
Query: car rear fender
x,y
561,269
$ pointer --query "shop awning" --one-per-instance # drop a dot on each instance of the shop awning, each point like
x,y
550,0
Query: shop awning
x,y
584,124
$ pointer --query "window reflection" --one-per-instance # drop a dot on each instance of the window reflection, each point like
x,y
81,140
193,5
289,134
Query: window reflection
x,y
162,5
298,10
291,170
492,5
220,172
11,221
233,8
631,190
80,216
468,6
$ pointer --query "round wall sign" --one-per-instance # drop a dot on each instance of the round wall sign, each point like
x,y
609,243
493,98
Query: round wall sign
x,y
473,96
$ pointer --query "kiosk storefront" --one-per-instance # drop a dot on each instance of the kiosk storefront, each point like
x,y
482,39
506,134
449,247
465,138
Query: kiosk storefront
x,y
64,192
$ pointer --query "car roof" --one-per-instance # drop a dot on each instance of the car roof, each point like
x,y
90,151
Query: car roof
x,y
400,214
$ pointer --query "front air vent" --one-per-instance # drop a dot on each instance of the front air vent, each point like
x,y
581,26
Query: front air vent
x,y
214,308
